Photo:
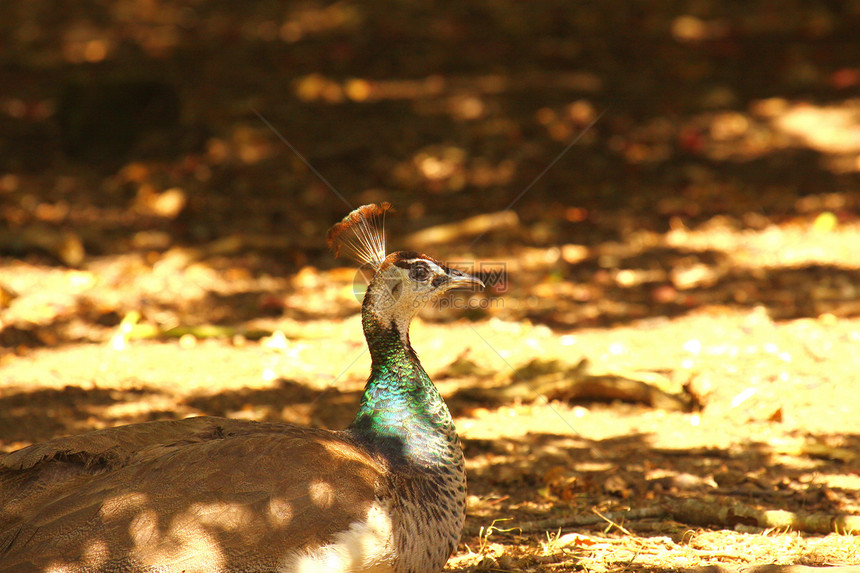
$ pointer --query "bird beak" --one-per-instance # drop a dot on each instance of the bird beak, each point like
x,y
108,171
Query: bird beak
x,y
459,279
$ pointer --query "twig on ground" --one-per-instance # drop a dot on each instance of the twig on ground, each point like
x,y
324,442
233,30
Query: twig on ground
x,y
610,521
708,511
712,511
555,523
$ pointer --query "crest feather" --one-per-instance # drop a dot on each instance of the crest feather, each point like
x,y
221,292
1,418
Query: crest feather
x,y
361,234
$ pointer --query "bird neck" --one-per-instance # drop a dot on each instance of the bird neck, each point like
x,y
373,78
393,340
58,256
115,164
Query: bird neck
x,y
402,415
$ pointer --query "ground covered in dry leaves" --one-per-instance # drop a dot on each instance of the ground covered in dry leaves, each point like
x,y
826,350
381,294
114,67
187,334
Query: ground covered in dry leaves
x,y
664,370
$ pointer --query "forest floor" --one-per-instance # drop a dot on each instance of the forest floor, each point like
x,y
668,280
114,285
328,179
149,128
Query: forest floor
x,y
664,376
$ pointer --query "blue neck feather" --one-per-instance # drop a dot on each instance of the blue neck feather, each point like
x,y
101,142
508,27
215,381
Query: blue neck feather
x,y
401,414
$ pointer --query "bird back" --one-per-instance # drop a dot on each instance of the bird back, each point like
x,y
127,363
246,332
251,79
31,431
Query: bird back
x,y
191,495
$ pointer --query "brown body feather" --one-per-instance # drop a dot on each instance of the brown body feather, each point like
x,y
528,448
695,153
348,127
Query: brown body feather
x,y
201,494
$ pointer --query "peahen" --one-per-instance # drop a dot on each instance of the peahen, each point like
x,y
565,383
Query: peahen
x,y
207,494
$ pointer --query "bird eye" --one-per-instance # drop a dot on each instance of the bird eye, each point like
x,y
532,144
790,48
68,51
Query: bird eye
x,y
419,272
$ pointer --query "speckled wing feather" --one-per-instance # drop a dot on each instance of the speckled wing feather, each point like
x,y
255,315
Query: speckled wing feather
x,y
202,494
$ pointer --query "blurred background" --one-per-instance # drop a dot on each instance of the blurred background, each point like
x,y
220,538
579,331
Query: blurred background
x,y
667,185
138,126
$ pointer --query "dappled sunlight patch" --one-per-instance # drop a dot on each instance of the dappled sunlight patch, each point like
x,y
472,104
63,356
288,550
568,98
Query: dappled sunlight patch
x,y
61,567
120,505
832,129
766,128
144,529
222,515
774,246
146,405
322,494
185,541
335,450
95,553
279,512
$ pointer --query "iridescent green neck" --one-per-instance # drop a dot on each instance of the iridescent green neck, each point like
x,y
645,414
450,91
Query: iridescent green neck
x,y
401,412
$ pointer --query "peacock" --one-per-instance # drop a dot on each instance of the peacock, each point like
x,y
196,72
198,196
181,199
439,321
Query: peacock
x,y
208,494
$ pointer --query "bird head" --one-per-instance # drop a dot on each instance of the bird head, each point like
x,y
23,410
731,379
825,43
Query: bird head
x,y
402,282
